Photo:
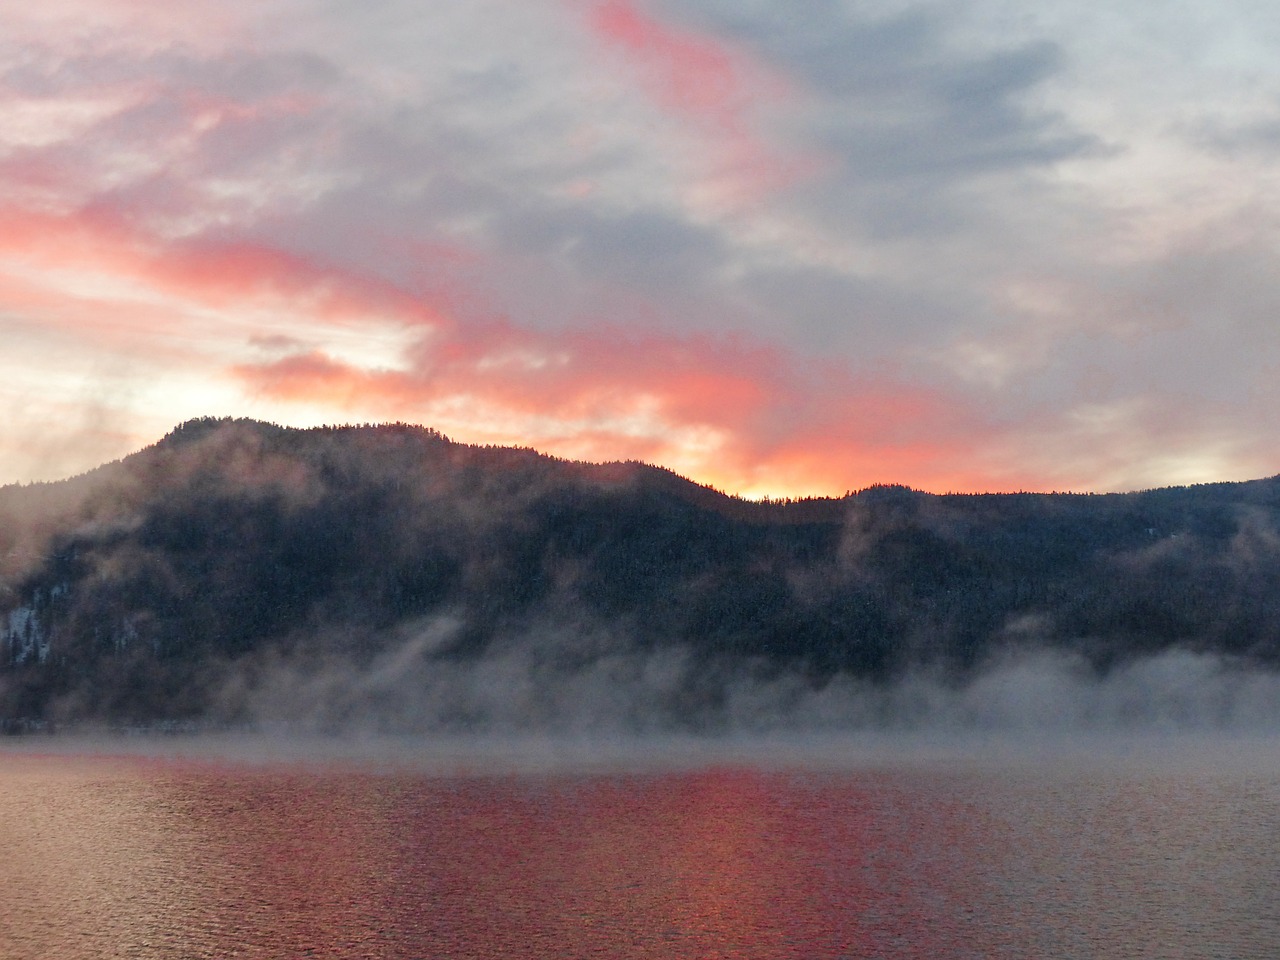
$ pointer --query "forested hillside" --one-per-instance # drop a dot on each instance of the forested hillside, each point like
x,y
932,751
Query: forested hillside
x,y
237,565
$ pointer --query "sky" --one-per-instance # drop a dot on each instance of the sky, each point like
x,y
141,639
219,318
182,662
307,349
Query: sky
x,y
786,249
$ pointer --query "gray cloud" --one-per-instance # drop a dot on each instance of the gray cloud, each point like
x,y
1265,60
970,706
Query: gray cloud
x,y
905,109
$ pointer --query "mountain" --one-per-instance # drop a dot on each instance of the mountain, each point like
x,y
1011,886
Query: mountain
x,y
241,572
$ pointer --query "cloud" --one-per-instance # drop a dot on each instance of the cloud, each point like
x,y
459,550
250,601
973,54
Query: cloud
x,y
734,413
713,84
689,73
1005,223
913,118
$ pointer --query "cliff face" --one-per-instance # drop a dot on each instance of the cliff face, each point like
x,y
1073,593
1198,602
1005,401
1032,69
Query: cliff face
x,y
170,584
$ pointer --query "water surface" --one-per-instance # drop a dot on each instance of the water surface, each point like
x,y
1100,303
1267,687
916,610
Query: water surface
x,y
763,853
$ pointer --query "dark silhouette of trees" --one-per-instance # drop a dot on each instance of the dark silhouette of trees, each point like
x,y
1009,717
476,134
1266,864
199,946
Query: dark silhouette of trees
x,y
231,537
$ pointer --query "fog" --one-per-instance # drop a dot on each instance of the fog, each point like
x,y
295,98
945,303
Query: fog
x,y
587,701
574,683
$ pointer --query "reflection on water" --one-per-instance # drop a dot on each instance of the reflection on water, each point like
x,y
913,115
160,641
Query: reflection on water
x,y
169,858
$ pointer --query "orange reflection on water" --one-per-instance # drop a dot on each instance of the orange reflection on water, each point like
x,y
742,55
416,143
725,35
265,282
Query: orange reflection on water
x,y
155,860
92,865
732,880
718,863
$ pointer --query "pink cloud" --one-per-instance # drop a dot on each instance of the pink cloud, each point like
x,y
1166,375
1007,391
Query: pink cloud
x,y
45,254
731,411
685,71
114,262
715,86
738,413
617,396
139,22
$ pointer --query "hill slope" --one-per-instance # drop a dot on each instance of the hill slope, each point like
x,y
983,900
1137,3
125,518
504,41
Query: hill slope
x,y
238,570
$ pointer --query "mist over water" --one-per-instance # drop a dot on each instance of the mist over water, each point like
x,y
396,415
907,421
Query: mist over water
x,y
573,795
568,682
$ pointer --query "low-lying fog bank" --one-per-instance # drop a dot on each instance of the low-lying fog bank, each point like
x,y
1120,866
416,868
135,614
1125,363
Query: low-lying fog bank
x,y
1177,709
1039,692
534,755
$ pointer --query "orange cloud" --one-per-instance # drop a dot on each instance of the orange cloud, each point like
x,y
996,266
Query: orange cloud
x,y
740,414
743,417
95,255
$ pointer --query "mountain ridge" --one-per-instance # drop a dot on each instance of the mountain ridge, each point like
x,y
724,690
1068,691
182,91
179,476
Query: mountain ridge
x,y
232,558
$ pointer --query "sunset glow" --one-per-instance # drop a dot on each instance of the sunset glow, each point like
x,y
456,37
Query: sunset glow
x,y
783,250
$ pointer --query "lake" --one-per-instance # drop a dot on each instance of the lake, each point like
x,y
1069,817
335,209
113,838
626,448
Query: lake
x,y
795,849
